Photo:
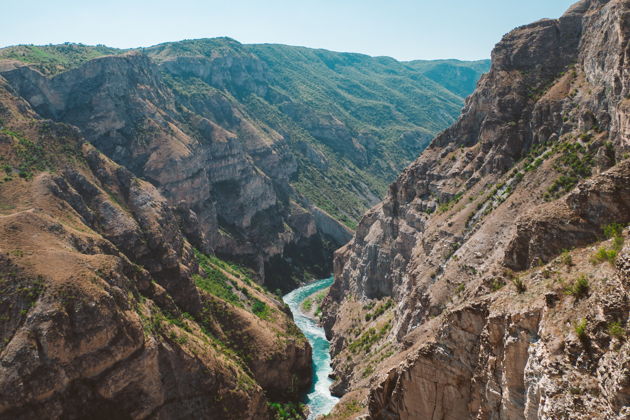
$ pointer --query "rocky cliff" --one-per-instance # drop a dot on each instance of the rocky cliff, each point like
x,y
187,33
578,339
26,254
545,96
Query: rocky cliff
x,y
484,285
151,198
107,309
235,191
239,140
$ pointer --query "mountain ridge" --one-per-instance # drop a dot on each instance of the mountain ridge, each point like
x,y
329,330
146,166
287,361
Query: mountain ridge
x,y
330,144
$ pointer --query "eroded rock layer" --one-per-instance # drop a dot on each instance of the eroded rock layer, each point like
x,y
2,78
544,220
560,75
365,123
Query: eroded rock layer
x,y
107,310
256,145
481,286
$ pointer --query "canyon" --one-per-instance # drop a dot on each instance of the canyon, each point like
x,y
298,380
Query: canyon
x,y
157,203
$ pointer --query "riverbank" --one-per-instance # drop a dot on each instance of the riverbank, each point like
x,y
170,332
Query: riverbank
x,y
311,306
318,399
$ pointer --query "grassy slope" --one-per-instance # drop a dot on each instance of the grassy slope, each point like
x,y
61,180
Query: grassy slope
x,y
53,59
379,97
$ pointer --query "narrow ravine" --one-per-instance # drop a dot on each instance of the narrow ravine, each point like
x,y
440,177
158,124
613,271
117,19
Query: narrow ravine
x,y
318,399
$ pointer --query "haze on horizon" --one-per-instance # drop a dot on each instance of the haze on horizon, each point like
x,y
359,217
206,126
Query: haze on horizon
x,y
403,29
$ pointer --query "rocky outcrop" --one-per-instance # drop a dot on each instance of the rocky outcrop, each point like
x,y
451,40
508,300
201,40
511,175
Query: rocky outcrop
x,y
519,358
225,172
107,310
577,220
536,164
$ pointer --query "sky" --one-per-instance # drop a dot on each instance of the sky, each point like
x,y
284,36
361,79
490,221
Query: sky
x,y
403,29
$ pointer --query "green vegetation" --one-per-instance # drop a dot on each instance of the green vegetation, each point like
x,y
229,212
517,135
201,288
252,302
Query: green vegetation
x,y
566,258
287,411
53,59
519,284
217,283
603,254
307,305
497,284
367,339
575,163
615,329
380,309
214,281
613,230
580,329
30,157
346,410
314,300
242,273
446,206
580,288
261,309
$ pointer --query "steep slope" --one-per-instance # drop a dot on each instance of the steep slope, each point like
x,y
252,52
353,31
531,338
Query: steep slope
x,y
244,139
352,121
460,77
489,320
231,179
107,309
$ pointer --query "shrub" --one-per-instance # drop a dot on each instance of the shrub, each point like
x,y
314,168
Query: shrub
x,y
260,309
214,281
612,230
519,284
460,288
496,285
580,329
367,339
615,329
286,411
580,287
566,259
575,163
444,207
604,254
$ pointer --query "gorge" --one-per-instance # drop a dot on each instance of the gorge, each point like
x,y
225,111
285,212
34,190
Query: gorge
x,y
156,203
166,212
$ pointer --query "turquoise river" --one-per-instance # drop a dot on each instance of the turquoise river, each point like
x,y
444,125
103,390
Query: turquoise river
x,y
318,399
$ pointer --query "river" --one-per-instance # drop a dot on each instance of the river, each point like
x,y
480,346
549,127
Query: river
x,y
318,399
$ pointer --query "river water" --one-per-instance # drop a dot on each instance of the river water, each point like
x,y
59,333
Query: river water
x,y
318,399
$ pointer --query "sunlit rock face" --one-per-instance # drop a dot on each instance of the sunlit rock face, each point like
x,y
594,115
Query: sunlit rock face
x,y
480,241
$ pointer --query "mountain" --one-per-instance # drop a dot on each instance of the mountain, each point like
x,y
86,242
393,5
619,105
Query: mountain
x,y
151,198
107,309
493,280
266,147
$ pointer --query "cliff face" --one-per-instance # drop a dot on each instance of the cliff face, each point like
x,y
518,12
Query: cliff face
x,y
107,310
219,169
231,136
131,178
454,284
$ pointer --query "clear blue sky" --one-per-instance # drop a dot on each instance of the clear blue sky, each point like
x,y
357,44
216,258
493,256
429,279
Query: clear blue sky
x,y
403,29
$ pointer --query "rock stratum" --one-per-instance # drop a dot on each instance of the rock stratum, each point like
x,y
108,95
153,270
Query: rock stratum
x,y
264,150
107,309
150,199
493,281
